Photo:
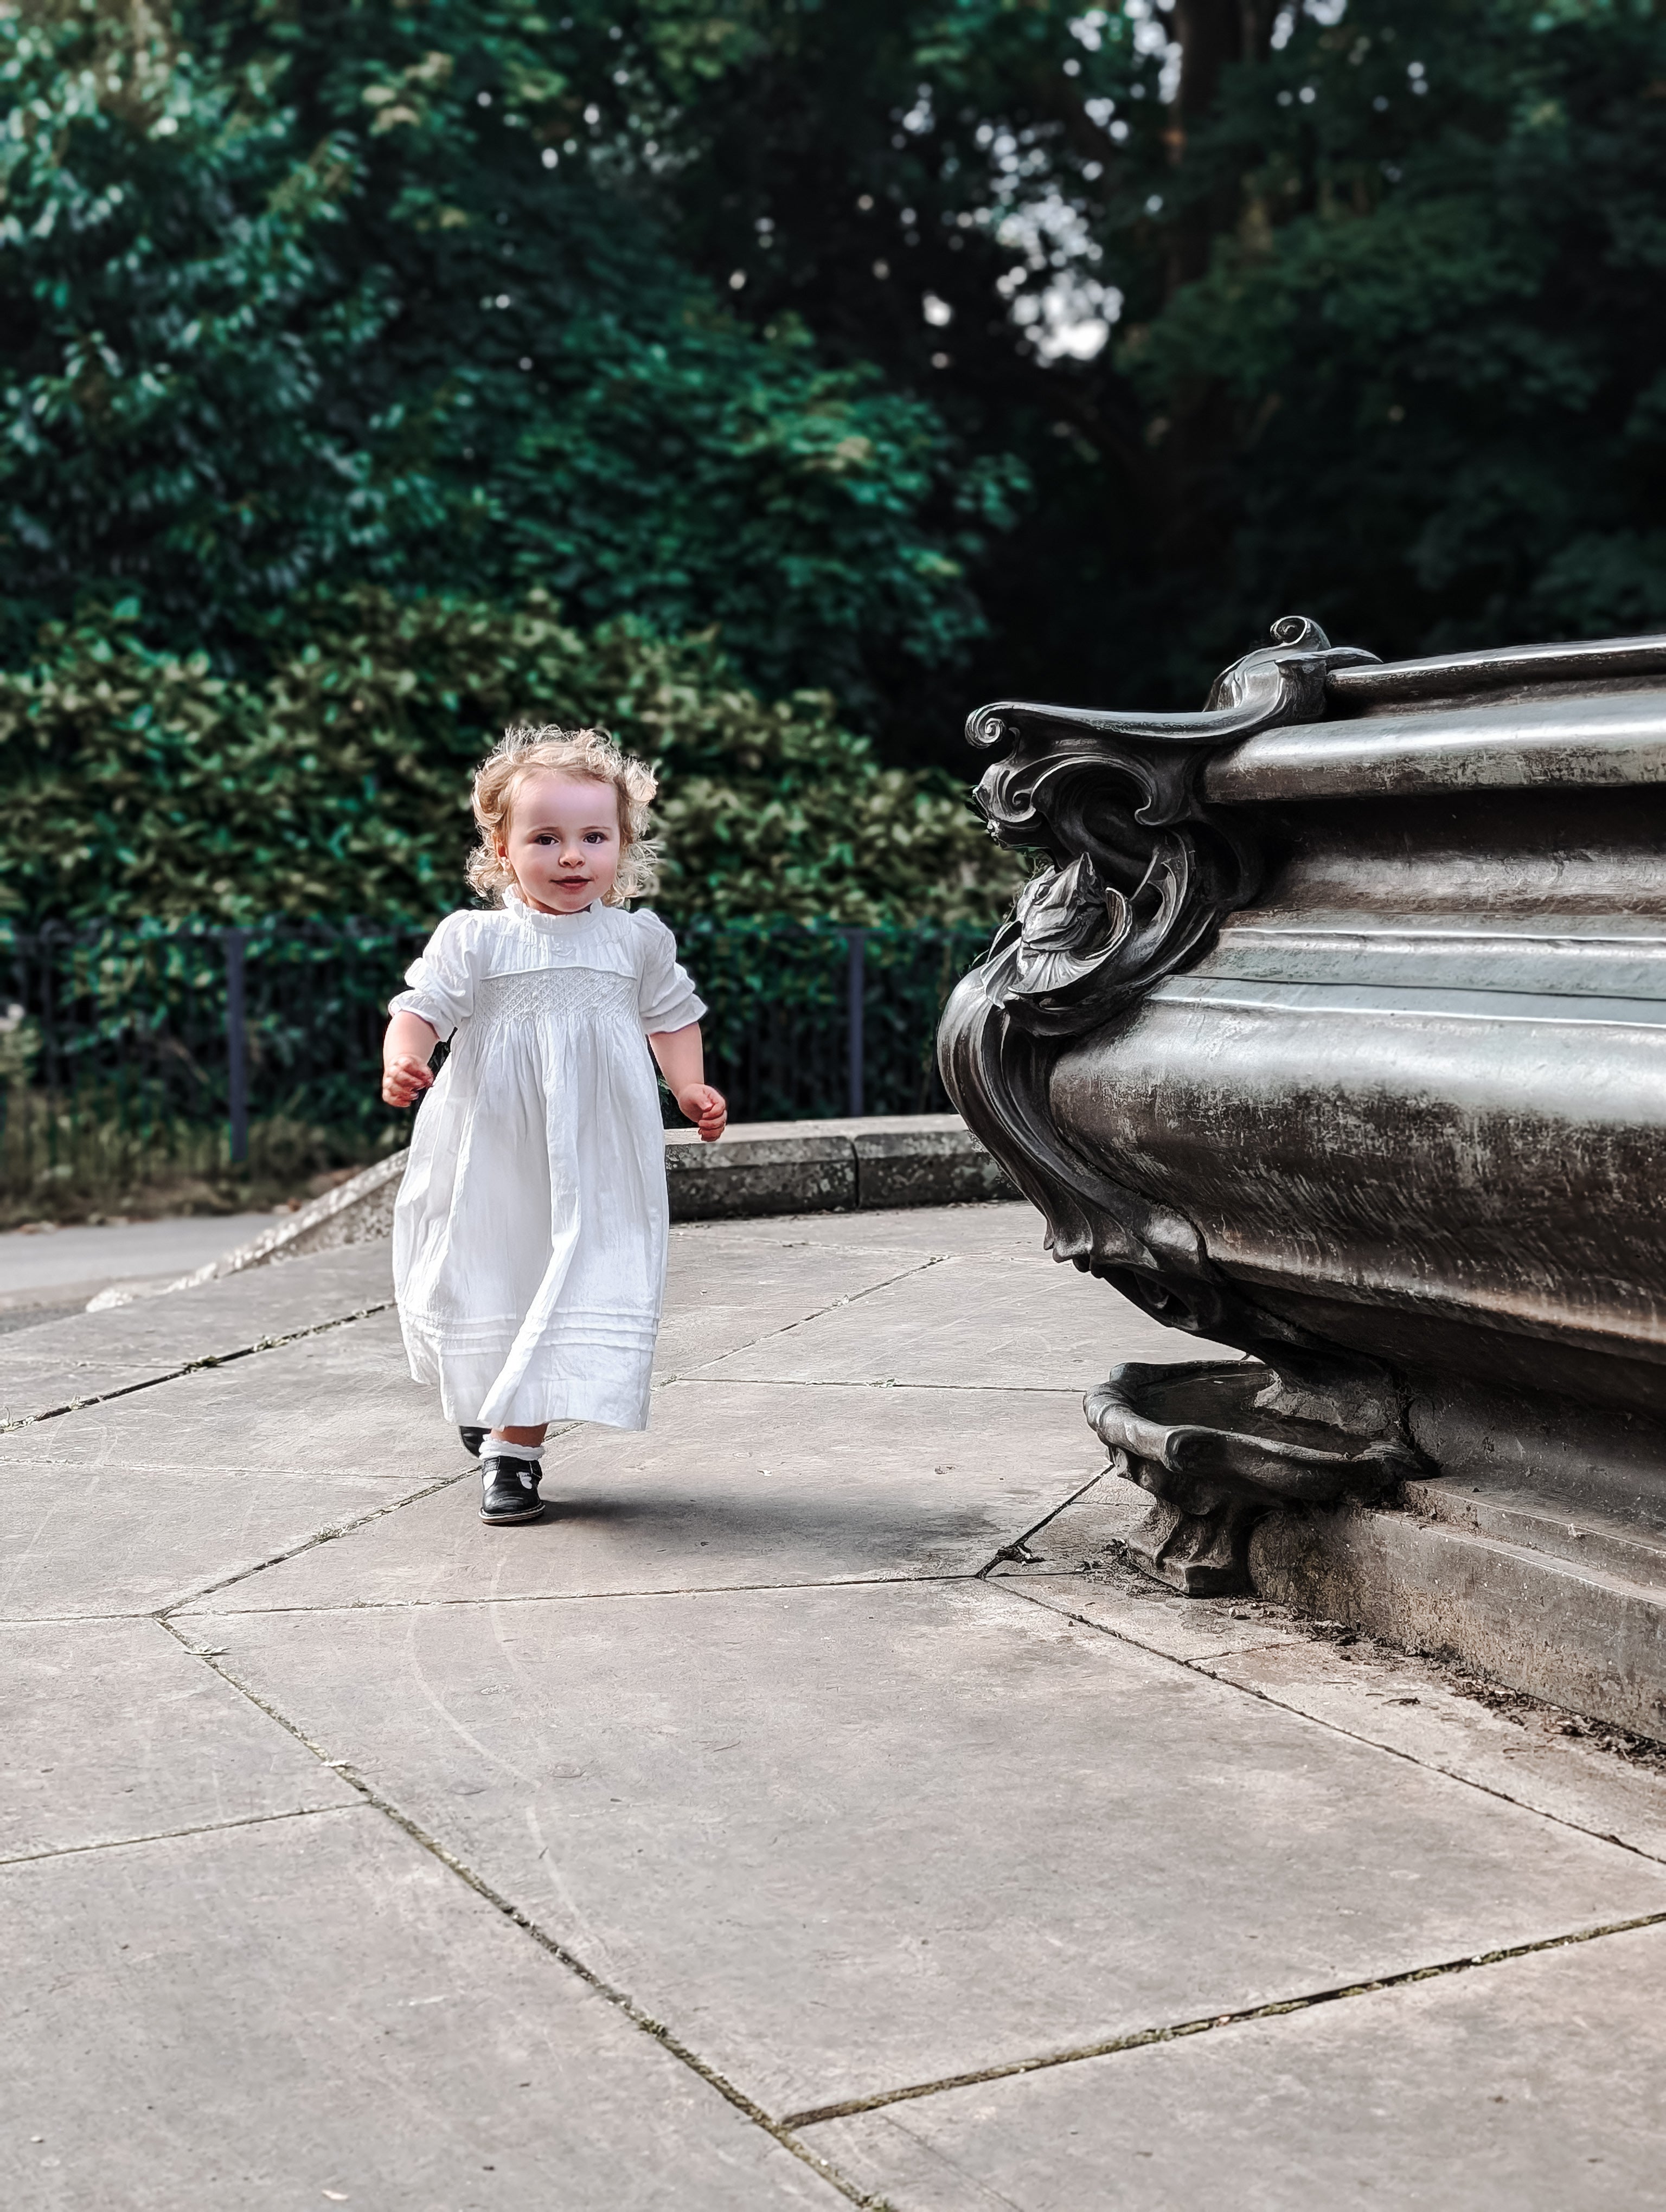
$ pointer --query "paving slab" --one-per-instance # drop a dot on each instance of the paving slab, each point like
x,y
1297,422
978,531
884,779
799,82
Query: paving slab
x,y
317,2011
1420,1708
139,1503
89,1355
732,1485
975,1231
843,1840
874,1824
1195,1630
1528,2086
1010,1322
1532,1754
110,1730
724,1291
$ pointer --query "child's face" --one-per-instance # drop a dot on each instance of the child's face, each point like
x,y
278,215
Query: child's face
x,y
562,840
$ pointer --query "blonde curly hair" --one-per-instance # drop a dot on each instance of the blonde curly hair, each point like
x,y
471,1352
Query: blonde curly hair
x,y
592,756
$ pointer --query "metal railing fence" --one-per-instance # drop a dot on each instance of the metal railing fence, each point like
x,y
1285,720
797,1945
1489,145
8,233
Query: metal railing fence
x,y
159,1023
152,1023
819,1019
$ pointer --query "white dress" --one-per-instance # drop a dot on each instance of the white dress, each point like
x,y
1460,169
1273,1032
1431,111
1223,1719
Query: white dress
x,y
529,1238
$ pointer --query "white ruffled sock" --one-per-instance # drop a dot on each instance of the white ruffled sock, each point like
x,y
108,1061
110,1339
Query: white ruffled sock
x,y
499,1448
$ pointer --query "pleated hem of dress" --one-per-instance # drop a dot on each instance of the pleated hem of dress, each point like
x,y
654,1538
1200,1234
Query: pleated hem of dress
x,y
602,1411
556,1399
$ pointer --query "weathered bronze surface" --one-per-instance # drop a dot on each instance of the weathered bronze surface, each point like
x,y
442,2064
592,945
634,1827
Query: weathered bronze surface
x,y
1335,1029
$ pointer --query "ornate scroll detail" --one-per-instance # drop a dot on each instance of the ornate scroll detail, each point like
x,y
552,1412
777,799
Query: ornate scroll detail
x,y
1142,872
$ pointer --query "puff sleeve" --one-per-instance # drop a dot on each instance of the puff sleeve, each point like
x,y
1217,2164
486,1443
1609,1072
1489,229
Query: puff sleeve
x,y
665,997
440,979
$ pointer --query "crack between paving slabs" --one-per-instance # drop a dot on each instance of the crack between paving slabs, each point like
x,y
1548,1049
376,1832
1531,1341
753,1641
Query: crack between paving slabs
x,y
1015,1550
778,2131
527,1597
194,1367
345,1529
330,1534
1018,1549
1142,2039
861,1382
325,1535
172,1835
1201,1665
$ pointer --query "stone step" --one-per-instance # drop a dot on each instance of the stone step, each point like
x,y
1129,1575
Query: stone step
x,y
883,1160
1563,1604
1634,1550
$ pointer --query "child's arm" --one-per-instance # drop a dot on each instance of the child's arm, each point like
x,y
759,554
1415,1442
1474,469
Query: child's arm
x,y
407,1049
682,1063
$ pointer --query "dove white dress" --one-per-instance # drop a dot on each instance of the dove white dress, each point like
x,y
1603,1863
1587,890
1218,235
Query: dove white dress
x,y
529,1238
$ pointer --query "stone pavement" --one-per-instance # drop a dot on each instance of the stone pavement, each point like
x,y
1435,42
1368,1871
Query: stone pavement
x,y
809,1810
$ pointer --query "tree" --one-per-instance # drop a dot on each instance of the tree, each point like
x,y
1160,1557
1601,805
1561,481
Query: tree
x,y
1381,280
936,350
303,296
1421,382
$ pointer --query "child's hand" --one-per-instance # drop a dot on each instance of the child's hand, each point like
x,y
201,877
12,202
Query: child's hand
x,y
707,1108
405,1078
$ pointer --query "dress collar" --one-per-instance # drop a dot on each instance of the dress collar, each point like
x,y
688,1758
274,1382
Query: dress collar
x,y
559,924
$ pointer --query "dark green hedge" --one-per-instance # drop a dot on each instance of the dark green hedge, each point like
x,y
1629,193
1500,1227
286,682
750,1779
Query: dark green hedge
x,y
140,782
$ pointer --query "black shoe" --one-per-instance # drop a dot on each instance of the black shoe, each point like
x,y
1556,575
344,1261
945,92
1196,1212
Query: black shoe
x,y
472,1440
509,1489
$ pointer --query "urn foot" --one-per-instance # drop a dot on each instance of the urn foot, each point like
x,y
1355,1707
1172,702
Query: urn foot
x,y
1201,1554
1202,1438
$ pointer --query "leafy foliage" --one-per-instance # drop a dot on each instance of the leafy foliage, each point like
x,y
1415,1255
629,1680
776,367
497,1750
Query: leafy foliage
x,y
141,780
295,299
931,351
1419,387
1383,280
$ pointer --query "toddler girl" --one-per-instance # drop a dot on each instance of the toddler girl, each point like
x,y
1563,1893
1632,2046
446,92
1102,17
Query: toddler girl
x,y
529,1239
